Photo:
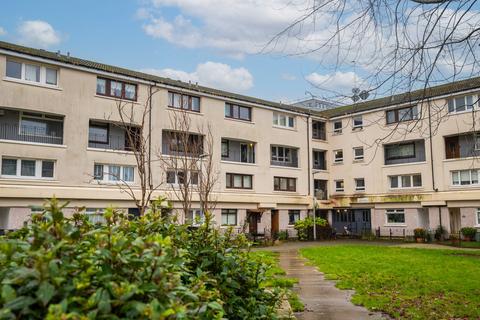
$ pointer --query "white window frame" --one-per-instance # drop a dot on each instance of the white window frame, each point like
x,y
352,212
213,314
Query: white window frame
x,y
341,189
355,156
38,169
357,126
453,102
198,218
277,116
395,211
107,177
361,188
335,159
459,173
43,73
337,130
95,215
400,181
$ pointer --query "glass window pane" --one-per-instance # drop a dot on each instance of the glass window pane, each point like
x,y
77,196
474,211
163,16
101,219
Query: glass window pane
x,y
228,110
283,120
14,69
451,105
114,173
237,181
465,177
98,172
194,178
128,174
171,177
291,122
391,116
177,100
186,102
244,113
47,169
115,88
27,168
130,91
32,73
51,76
394,182
456,178
98,133
101,86
474,176
469,102
406,182
275,119
195,104
247,182
460,104
417,180
9,167
283,184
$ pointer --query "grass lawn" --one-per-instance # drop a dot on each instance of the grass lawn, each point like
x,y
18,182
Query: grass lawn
x,y
405,283
277,277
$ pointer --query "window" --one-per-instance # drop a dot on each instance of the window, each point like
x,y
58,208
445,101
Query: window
x,y
113,173
284,184
194,217
283,120
360,184
98,132
465,177
319,160
358,153
239,181
402,114
337,127
183,101
238,112
293,216
180,143
28,168
478,216
318,130
461,104
357,122
95,215
400,151
338,156
339,186
284,156
225,148
41,125
31,72
178,177
395,216
406,181
116,89
477,141
229,217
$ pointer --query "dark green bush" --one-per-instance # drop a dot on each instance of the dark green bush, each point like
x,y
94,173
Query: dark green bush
x,y
60,268
305,227
468,232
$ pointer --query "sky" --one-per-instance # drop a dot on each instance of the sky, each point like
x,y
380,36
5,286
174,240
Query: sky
x,y
213,42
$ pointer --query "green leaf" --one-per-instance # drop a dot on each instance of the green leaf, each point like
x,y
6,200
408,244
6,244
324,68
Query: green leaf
x,y
8,293
45,292
19,303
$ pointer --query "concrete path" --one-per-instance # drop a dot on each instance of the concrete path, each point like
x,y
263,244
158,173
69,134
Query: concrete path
x,y
321,298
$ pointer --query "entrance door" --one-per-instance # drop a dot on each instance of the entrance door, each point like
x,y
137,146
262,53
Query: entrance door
x,y
253,222
454,220
275,222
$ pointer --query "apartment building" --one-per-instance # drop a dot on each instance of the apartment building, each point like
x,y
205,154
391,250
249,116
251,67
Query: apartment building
x,y
398,162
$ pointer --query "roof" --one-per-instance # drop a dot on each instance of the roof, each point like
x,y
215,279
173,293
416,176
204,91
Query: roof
x,y
449,88
40,53
412,96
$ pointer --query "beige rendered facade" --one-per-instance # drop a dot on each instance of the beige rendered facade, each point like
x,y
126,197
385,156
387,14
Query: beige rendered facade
x,y
395,163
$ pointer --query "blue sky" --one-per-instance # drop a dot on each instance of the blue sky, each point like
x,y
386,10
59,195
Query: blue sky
x,y
133,34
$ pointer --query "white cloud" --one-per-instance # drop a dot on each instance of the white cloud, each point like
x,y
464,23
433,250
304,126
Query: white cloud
x,y
339,82
213,74
2,32
38,33
288,77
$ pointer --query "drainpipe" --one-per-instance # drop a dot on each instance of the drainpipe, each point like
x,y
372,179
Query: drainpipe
x,y
308,154
431,147
150,183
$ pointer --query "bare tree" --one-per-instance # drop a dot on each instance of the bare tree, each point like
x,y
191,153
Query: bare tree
x,y
187,160
135,122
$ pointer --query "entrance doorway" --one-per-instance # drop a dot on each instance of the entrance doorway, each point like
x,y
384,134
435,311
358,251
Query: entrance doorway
x,y
253,219
356,221
454,220
275,222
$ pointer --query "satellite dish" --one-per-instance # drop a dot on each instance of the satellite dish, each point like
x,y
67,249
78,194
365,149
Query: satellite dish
x,y
355,91
364,95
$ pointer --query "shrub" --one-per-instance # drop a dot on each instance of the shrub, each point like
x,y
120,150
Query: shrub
x,y
468,232
419,233
304,226
283,235
440,232
61,268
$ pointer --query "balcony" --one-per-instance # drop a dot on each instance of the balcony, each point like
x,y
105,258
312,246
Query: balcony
x,y
108,136
284,156
404,152
181,144
31,127
238,151
462,146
